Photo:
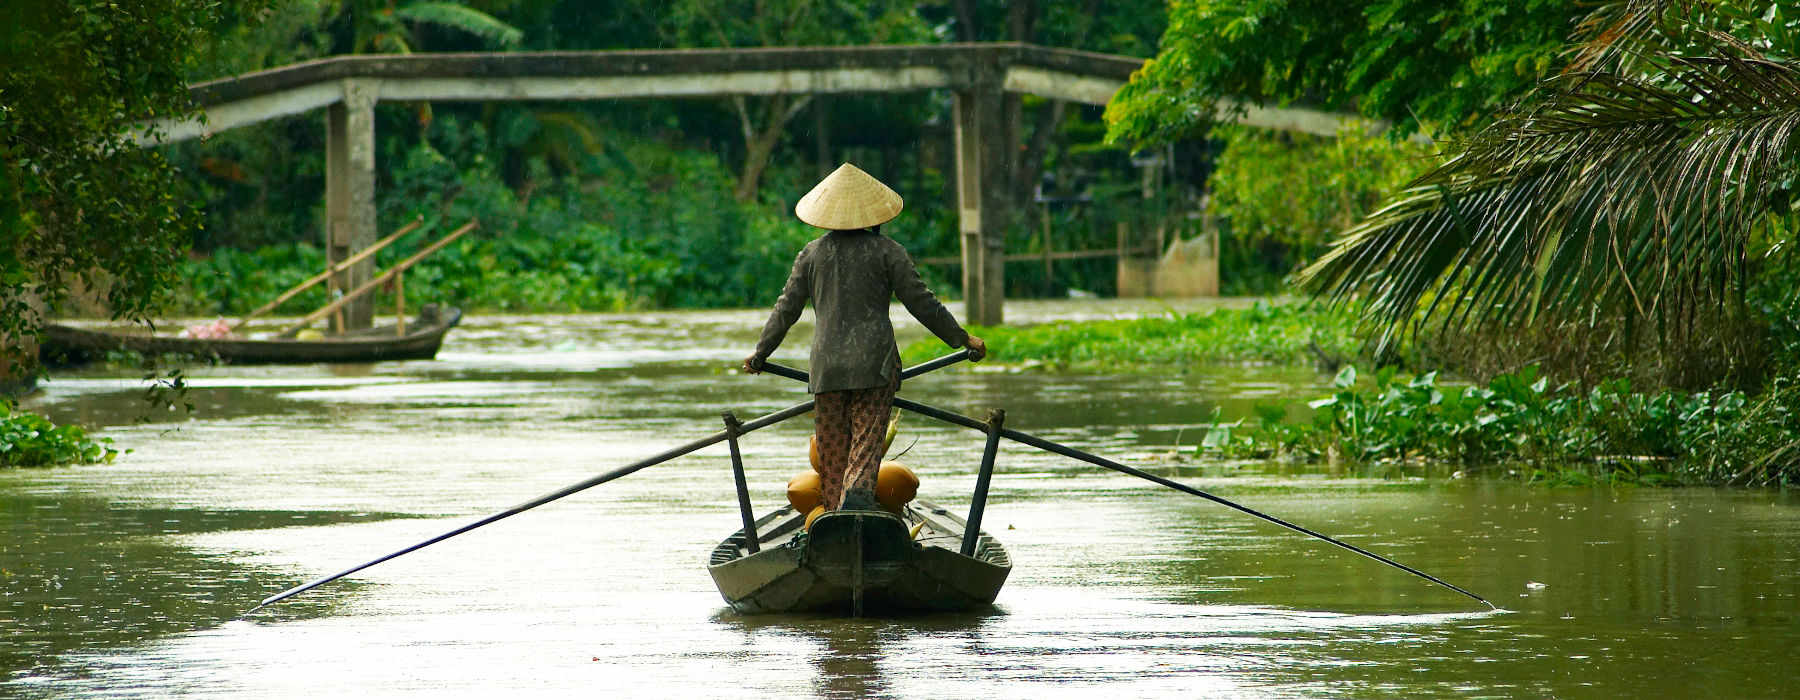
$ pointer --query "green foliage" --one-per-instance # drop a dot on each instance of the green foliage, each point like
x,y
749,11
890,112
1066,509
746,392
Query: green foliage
x,y
460,17
712,23
262,184
1410,62
1273,333
643,226
78,199
1520,420
1281,198
1626,194
29,440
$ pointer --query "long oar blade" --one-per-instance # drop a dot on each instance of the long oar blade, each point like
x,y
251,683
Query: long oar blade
x,y
1066,451
715,438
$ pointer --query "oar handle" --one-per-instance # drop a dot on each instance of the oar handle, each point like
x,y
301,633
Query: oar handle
x,y
908,373
934,365
797,375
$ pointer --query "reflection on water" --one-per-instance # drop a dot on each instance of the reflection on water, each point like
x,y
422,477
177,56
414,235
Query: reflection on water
x,y
75,572
123,580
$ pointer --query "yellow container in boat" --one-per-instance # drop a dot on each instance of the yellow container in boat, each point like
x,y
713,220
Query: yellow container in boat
x,y
895,486
805,492
814,515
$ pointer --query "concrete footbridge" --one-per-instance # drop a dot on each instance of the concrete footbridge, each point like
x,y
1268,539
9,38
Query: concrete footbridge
x,y
977,75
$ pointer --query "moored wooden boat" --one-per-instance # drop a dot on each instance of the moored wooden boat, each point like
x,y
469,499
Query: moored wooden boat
x,y
860,562
64,345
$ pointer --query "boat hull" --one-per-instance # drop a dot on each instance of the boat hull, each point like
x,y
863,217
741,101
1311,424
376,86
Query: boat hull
x,y
860,563
65,345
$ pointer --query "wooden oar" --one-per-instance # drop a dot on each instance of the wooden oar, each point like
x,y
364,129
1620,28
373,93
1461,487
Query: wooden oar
x,y
379,280
908,373
934,365
1066,451
713,439
331,270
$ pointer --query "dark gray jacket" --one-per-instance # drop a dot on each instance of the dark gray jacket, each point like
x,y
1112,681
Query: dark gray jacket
x,y
850,276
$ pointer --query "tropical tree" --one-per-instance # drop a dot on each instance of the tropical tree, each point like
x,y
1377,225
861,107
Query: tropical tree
x,y
1406,62
1632,186
762,122
386,26
80,203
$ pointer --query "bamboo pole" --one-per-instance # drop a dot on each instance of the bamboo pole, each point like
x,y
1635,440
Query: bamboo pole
x,y
329,271
379,280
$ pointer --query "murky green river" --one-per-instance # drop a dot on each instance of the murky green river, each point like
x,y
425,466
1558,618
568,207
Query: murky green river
x,y
128,580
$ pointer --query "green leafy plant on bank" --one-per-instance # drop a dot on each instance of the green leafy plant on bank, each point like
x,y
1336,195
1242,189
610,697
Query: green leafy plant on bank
x,y
1556,432
1281,197
1262,333
30,440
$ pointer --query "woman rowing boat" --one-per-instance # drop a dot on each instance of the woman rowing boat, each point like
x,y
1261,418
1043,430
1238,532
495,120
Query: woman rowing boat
x,y
850,274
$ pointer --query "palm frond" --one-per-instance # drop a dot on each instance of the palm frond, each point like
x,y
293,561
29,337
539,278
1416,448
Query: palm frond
x,y
461,17
1616,31
1632,194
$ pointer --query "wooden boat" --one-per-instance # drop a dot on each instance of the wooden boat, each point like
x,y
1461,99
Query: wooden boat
x,y
860,562
65,345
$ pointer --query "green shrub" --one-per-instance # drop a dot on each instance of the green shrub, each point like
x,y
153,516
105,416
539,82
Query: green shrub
x,y
1264,332
1282,197
1519,420
613,239
29,440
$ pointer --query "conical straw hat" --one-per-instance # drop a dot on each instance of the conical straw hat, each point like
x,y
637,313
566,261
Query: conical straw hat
x,y
847,199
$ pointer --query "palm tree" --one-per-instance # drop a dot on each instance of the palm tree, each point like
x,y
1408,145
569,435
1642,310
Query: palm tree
x,y
384,26
1631,187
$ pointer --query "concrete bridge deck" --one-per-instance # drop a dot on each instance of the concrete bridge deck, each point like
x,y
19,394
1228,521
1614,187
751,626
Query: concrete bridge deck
x,y
348,87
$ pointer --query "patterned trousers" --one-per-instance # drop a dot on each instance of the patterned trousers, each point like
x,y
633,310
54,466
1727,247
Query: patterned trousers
x,y
851,427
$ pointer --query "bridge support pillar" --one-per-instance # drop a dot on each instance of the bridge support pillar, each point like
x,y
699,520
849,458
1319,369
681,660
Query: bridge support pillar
x,y
350,197
981,172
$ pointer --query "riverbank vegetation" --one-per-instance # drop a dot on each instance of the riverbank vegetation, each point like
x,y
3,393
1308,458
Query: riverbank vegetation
x,y
1586,212
1614,210
1521,423
1264,333
29,440
627,235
